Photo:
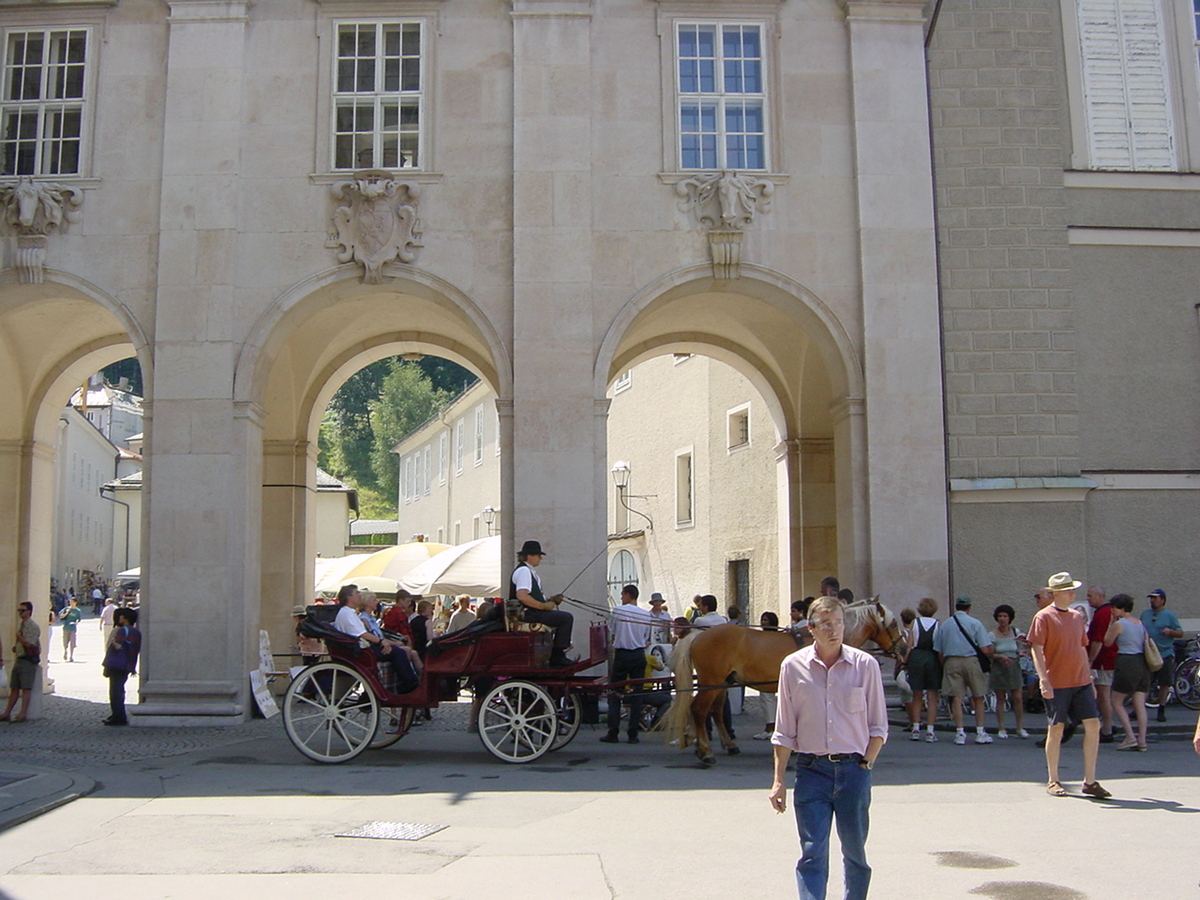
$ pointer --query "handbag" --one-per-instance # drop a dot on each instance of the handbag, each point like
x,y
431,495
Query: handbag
x,y
985,661
1154,660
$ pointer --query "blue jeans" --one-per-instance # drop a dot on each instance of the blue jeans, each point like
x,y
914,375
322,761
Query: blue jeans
x,y
825,791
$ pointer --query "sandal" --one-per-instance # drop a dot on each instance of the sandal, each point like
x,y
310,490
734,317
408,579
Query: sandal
x,y
1127,744
1094,790
1055,789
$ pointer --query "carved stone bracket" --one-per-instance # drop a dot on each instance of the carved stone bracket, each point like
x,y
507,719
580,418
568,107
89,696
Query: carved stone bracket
x,y
726,202
35,210
378,222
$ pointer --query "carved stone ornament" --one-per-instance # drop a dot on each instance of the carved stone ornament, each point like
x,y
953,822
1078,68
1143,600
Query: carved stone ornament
x,y
726,202
35,210
378,222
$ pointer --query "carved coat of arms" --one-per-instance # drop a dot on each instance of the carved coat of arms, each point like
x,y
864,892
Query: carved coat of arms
x,y
378,222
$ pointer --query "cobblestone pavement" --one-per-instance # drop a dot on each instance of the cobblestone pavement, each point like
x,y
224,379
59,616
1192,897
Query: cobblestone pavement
x,y
69,736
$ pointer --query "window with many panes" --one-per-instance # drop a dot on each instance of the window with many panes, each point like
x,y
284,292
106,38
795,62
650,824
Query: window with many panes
x,y
721,90
43,103
378,95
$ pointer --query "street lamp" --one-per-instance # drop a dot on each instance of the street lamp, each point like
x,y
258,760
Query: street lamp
x,y
620,477
489,516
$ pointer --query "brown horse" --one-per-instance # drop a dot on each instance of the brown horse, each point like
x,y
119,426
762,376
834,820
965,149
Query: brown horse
x,y
731,654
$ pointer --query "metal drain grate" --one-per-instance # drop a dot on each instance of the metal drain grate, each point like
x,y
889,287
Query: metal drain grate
x,y
393,831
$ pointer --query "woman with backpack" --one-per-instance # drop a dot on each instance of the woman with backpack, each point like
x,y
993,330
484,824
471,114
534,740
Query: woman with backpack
x,y
924,670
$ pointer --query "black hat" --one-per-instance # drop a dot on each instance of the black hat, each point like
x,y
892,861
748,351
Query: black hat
x,y
531,548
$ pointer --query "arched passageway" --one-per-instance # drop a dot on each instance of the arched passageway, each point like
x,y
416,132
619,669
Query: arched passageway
x,y
792,356
54,335
302,353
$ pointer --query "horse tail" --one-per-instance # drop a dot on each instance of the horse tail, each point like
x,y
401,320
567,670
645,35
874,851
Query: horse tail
x,y
679,713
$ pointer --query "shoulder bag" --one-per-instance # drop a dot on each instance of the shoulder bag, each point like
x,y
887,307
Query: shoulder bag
x,y
1154,660
985,661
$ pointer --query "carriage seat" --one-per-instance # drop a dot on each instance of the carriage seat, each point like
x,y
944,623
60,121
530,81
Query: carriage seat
x,y
514,622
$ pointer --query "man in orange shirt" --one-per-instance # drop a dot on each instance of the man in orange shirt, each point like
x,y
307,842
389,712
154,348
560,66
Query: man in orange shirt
x,y
1058,636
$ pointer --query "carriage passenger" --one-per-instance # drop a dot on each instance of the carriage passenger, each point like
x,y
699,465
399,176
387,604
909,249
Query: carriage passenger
x,y
348,622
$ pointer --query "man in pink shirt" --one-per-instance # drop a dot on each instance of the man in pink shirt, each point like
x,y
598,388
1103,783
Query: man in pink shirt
x,y
1058,637
832,715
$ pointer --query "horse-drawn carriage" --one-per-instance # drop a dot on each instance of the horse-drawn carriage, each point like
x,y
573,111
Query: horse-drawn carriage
x,y
335,710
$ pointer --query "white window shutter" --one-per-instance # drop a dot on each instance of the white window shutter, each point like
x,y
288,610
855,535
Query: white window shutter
x,y
1127,92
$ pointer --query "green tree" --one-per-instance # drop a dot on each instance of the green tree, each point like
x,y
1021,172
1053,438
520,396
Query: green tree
x,y
345,441
406,399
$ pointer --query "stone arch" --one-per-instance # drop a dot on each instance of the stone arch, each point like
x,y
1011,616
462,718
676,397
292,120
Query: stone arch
x,y
53,335
302,348
808,370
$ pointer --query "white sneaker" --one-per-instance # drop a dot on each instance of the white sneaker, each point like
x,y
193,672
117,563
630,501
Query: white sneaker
x,y
763,736
960,737
930,737
1023,734
982,737
915,735
1002,735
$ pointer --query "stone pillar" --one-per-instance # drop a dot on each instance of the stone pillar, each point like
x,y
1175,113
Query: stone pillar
x,y
790,510
504,408
558,446
852,492
909,552
289,536
203,483
26,487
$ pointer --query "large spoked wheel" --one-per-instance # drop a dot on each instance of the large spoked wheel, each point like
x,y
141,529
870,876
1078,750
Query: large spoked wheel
x,y
518,721
1187,684
570,715
393,725
330,713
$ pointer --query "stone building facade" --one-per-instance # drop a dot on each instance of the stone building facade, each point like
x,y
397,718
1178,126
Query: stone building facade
x,y
258,198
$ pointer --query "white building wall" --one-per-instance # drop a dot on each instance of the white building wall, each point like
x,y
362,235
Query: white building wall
x,y
444,498
84,519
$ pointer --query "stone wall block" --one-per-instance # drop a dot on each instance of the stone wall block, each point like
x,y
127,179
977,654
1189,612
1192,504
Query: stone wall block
x,y
1010,278
989,257
960,425
1013,319
999,468
996,424
961,468
1031,298
1007,237
973,362
1016,403
992,340
968,319
1033,382
1039,467
1031,340
1017,446
1058,403
975,405
998,77
959,383
1014,361
977,446
998,116
995,382
1063,340
1035,424
990,299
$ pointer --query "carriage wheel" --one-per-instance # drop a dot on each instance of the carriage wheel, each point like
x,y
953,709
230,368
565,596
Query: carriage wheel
x,y
570,715
330,713
518,721
393,725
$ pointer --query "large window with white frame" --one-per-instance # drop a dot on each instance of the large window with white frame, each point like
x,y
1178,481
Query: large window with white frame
x,y
443,456
459,439
721,96
378,95
43,103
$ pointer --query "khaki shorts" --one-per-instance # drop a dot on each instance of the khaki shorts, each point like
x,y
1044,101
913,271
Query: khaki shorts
x,y
1102,677
962,677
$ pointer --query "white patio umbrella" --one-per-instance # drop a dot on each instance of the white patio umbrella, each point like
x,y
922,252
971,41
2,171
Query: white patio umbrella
x,y
332,571
472,568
